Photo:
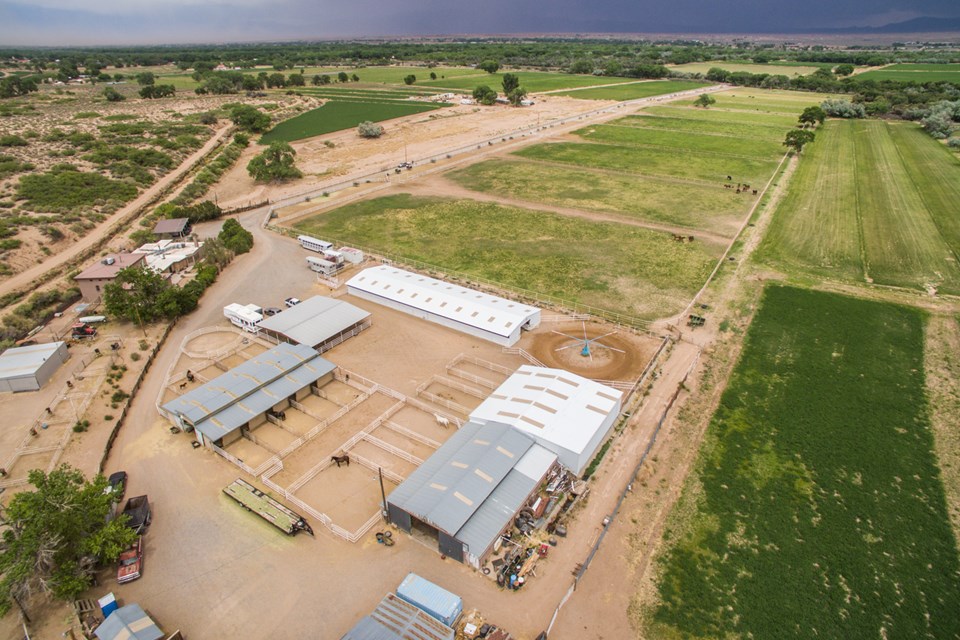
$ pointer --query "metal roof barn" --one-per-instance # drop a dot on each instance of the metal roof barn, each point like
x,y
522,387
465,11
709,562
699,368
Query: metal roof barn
x,y
395,619
467,310
316,322
129,623
29,368
471,488
432,599
564,412
231,400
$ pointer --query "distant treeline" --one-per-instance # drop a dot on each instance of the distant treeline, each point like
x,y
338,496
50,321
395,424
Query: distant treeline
x,y
601,55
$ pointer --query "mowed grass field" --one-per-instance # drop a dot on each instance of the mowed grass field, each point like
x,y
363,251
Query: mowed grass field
x,y
816,509
664,165
916,73
379,75
767,101
532,81
780,69
341,114
612,266
871,201
632,90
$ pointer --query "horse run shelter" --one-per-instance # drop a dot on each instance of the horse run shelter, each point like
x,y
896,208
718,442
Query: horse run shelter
x,y
467,493
467,310
29,368
319,322
222,410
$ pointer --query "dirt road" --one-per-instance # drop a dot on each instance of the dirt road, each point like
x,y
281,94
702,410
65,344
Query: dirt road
x,y
28,278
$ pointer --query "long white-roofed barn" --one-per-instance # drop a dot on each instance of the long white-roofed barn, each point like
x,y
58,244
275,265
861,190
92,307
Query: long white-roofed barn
x,y
492,318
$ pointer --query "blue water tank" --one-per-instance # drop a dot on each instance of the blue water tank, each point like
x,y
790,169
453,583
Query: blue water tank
x,y
435,601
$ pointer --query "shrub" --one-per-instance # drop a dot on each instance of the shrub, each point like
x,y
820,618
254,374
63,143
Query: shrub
x,y
843,109
368,129
65,188
12,140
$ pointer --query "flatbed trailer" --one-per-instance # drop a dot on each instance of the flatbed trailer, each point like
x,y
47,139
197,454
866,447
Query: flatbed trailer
x,y
252,499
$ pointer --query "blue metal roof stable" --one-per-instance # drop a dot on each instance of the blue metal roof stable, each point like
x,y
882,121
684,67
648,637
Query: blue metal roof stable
x,y
395,619
229,401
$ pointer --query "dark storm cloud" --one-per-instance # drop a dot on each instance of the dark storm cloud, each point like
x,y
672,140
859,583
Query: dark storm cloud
x,y
53,22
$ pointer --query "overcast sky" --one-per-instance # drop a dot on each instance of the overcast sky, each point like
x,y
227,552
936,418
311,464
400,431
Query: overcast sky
x,y
89,22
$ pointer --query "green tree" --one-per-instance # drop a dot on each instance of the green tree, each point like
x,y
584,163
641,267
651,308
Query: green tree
x,y
276,80
410,79
216,253
235,238
251,82
581,67
705,100
112,95
355,78
484,95
275,164
295,80
490,66
797,138
433,75
510,82
157,91
368,129
843,69
146,79
250,118
325,79
135,294
813,116
55,536
343,77
517,96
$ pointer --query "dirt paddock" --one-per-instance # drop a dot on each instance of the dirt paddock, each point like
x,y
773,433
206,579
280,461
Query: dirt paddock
x,y
559,345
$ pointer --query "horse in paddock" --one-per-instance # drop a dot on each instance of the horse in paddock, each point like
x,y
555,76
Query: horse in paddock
x,y
341,459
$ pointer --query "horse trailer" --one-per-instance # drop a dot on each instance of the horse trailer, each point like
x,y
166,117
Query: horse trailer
x,y
313,244
321,266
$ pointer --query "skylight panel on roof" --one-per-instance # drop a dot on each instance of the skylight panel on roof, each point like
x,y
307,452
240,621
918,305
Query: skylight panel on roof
x,y
527,419
602,412
509,454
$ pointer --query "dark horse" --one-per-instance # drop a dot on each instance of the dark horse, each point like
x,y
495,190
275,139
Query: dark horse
x,y
341,459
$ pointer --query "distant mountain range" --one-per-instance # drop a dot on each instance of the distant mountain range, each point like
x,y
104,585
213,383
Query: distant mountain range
x,y
925,24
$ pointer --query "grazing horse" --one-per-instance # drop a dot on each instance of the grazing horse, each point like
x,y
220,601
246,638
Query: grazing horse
x,y
341,459
442,421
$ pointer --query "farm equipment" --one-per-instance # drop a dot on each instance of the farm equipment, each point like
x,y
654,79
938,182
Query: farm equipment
x,y
83,330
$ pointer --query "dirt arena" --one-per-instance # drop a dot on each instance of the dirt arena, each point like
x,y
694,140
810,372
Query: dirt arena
x,y
560,345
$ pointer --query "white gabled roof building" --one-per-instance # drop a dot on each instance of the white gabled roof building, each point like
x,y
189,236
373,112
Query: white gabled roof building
x,y
565,413
479,314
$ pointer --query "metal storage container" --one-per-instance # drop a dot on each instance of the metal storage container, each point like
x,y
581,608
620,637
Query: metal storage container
x,y
435,601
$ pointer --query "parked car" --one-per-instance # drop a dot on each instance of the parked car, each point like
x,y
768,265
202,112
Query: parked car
x,y
131,562
138,513
271,311
117,485
291,302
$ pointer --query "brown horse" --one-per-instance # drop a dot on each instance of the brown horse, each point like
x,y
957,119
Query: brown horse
x,y
341,459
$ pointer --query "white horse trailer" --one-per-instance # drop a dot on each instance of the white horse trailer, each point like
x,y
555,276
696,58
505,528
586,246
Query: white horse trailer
x,y
333,256
321,266
313,244
246,317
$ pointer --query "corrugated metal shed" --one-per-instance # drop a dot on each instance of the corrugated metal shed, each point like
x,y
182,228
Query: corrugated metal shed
x,y
474,484
129,623
28,368
431,598
394,619
469,307
315,320
232,399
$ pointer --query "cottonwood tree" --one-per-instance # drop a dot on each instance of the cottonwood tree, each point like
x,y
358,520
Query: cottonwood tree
x,y
517,96
490,66
140,295
812,116
510,82
484,95
797,138
55,536
275,164
250,118
410,79
705,100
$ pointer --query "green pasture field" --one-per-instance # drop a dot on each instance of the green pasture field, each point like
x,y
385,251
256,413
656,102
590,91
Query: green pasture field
x,y
871,201
784,69
642,272
691,206
920,76
626,135
532,81
718,114
920,66
341,114
816,509
709,167
391,93
783,102
679,124
633,90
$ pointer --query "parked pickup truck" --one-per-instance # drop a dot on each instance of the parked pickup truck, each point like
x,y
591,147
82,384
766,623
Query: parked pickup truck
x,y
138,513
